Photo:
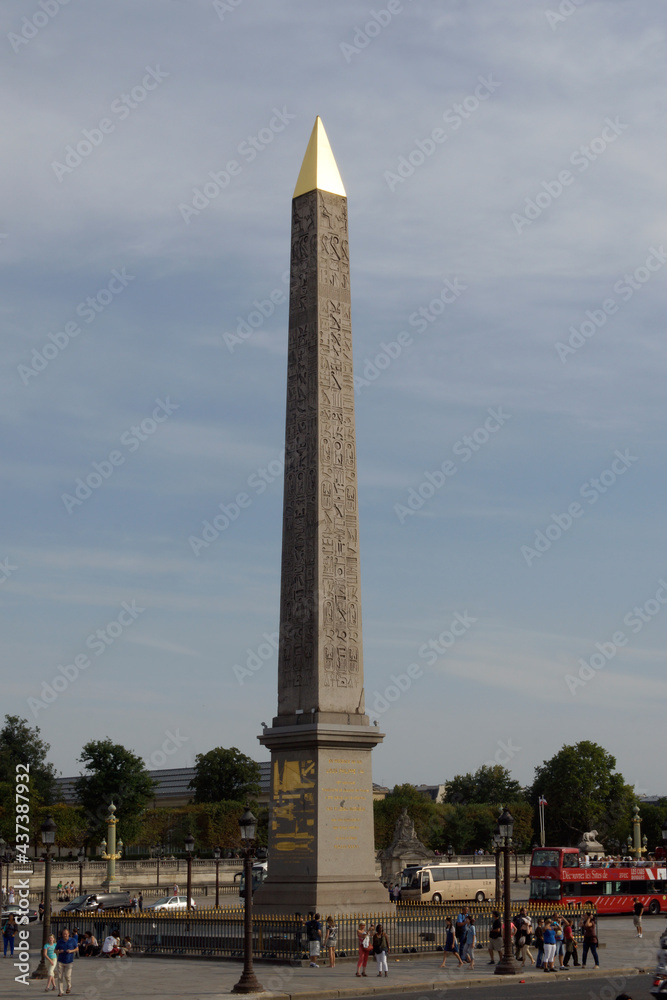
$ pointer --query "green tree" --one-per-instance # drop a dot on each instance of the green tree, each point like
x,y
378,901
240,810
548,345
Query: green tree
x,y
489,785
21,744
421,810
225,776
118,775
653,815
583,792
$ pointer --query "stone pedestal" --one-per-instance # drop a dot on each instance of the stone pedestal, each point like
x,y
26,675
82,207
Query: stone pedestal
x,y
321,854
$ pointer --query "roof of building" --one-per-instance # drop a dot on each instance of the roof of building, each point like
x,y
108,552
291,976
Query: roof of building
x,y
172,783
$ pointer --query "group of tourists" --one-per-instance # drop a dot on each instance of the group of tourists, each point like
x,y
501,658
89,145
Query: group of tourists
x,y
377,945
325,938
59,955
552,937
65,891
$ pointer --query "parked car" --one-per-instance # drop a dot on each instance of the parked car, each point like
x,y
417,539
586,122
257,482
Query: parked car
x,y
171,903
17,911
91,901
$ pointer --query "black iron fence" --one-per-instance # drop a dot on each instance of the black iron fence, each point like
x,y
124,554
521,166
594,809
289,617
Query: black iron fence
x,y
411,929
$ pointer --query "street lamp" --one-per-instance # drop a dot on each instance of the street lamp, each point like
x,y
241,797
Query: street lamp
x,y
497,843
216,854
248,982
189,847
629,845
112,857
3,848
48,830
450,852
506,966
82,860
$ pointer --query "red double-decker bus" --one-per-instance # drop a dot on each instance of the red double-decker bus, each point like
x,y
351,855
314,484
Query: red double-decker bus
x,y
560,875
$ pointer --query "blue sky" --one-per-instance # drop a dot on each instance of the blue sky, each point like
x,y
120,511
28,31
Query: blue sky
x,y
504,164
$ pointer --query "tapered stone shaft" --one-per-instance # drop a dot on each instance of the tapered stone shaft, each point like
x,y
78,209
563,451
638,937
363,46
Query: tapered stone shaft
x,y
321,828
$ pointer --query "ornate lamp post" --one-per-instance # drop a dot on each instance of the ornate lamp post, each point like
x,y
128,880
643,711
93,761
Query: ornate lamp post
x,y
48,837
82,860
450,852
636,833
506,966
216,854
111,857
157,850
248,982
189,847
497,843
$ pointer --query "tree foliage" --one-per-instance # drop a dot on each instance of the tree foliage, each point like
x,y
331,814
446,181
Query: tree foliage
x,y
21,744
489,785
583,792
118,775
212,824
421,810
223,775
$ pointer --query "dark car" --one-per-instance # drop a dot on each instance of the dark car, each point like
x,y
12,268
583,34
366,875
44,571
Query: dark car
x,y
18,911
90,902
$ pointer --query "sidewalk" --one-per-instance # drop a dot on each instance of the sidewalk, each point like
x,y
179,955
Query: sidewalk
x,y
196,979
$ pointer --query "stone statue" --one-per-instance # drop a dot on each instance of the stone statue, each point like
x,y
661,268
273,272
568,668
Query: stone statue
x,y
590,843
405,847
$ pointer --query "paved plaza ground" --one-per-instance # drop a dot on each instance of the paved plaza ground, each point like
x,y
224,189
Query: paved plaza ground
x,y
622,957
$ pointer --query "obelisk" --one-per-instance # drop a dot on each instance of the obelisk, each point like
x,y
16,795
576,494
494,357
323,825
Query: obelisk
x,y
321,846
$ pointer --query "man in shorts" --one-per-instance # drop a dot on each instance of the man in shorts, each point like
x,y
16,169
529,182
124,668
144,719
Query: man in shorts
x,y
637,911
314,930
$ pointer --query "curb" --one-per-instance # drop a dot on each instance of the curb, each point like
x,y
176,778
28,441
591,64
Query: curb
x,y
427,986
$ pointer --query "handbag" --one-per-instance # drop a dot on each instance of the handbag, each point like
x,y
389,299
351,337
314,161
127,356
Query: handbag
x,y
366,943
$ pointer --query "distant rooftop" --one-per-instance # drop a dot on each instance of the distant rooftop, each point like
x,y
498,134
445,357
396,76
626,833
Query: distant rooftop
x,y
172,785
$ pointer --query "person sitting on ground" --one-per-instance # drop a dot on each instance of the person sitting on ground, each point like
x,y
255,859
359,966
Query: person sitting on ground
x,y
110,948
89,946
126,947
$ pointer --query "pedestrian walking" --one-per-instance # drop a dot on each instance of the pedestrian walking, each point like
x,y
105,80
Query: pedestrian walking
x,y
364,948
51,961
11,895
330,941
451,944
638,910
495,938
141,901
381,949
539,943
560,944
314,930
175,889
590,940
549,936
525,940
570,944
469,940
8,933
460,926
40,909
65,951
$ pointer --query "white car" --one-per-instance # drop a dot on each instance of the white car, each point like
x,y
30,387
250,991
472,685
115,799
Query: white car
x,y
171,903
